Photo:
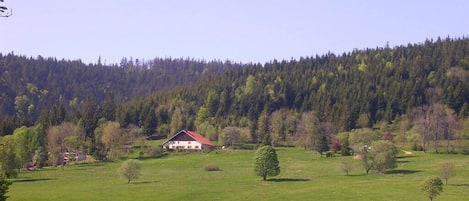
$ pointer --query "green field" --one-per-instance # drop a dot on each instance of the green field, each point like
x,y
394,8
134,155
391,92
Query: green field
x,y
181,176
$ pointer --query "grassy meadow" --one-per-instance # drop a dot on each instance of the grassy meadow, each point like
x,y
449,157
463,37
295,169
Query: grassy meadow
x,y
181,176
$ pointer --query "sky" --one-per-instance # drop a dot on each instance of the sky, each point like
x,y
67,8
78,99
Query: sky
x,y
245,31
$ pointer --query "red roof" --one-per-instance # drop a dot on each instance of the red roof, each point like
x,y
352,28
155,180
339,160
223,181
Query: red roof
x,y
198,137
194,135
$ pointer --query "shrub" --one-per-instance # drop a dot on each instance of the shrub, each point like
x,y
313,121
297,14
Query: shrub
x,y
345,150
417,147
155,152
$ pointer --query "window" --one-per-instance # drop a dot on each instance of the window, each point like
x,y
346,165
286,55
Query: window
x,y
196,147
189,142
188,147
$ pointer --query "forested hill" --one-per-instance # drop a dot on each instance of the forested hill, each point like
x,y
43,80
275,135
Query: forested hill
x,y
355,89
352,90
30,87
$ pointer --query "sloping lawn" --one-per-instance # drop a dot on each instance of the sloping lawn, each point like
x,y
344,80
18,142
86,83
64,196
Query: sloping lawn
x,y
181,176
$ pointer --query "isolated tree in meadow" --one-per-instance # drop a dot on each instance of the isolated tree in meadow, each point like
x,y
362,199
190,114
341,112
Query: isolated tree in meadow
x,y
383,155
379,156
446,171
266,162
432,186
130,170
346,165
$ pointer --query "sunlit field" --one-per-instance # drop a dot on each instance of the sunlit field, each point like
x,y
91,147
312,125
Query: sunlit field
x,y
181,176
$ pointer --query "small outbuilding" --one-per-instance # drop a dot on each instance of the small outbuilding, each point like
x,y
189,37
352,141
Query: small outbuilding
x,y
188,140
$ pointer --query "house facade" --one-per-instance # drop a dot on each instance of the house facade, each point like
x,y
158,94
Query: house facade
x,y
188,140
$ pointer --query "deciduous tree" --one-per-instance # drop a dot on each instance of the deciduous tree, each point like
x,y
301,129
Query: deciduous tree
x,y
230,136
432,186
306,129
113,139
446,171
263,129
129,170
266,162
383,155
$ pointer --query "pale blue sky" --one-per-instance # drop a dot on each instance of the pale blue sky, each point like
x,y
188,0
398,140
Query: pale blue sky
x,y
238,30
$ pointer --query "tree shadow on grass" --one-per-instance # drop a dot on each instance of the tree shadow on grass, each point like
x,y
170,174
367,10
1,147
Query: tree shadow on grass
x,y
459,185
403,161
31,180
405,156
402,171
287,180
142,182
356,175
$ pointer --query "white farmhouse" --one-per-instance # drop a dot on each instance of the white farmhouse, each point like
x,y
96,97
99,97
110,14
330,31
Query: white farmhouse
x,y
188,140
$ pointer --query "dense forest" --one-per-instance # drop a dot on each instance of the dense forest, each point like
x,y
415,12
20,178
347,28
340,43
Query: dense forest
x,y
417,94
33,89
353,90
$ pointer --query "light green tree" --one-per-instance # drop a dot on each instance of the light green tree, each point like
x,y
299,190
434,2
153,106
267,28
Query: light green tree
x,y
306,128
130,170
432,186
266,162
383,155
9,162
202,116
113,138
177,121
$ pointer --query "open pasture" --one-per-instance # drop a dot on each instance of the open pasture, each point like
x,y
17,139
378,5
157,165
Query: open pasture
x,y
181,176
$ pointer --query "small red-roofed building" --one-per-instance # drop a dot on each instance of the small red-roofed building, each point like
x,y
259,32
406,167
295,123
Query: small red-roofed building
x,y
188,140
